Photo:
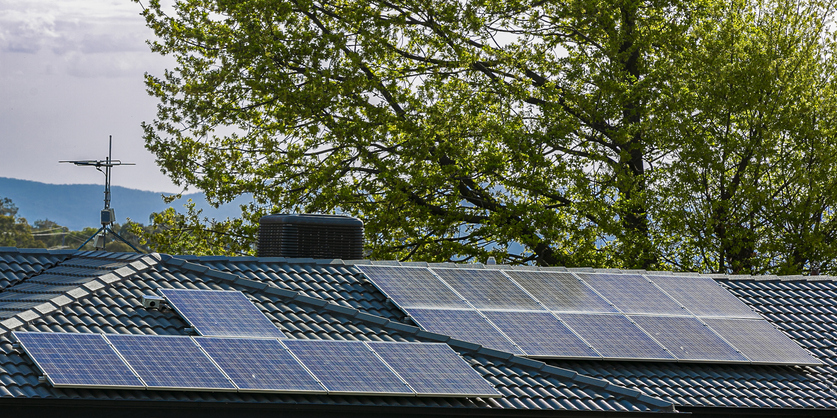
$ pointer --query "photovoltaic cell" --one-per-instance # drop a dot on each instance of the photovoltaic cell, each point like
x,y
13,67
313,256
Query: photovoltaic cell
x,y
632,293
170,362
466,325
221,313
540,334
561,292
434,369
760,342
347,367
487,289
703,296
260,365
78,360
615,337
688,339
411,287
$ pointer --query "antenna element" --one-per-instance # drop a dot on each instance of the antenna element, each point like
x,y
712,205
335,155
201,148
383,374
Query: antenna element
x,y
107,215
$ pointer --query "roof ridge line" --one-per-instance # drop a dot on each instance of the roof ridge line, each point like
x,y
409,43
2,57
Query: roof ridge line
x,y
233,259
419,333
35,251
140,264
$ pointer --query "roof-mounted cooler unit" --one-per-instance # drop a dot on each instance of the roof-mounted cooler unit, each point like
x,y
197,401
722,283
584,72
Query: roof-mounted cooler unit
x,y
311,236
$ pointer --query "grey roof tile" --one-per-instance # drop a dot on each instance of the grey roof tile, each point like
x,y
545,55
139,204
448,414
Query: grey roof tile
x,y
324,308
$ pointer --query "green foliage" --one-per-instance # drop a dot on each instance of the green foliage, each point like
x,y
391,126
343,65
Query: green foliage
x,y
17,232
14,230
651,134
189,233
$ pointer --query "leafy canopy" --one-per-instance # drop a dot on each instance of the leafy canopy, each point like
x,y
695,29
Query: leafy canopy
x,y
654,134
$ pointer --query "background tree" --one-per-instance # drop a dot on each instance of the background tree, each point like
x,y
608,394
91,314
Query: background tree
x,y
752,185
14,230
460,130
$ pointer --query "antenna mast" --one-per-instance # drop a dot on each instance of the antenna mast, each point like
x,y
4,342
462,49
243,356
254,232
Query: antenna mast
x,y
107,215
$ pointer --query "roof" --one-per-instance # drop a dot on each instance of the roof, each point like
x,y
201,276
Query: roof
x,y
99,292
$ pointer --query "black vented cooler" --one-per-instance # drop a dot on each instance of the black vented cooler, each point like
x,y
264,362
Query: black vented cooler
x,y
311,236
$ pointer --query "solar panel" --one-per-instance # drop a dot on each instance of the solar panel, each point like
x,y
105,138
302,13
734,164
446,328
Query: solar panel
x,y
632,293
760,342
560,292
466,325
347,367
413,287
540,334
615,337
260,365
78,360
221,313
165,362
703,296
688,339
434,369
487,289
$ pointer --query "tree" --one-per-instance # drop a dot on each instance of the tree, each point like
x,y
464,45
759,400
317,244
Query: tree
x,y
456,130
14,230
753,185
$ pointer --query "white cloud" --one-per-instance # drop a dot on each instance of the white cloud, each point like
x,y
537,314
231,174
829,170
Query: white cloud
x,y
70,75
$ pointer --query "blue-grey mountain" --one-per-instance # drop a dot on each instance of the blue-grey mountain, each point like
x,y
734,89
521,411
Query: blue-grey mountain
x,y
77,206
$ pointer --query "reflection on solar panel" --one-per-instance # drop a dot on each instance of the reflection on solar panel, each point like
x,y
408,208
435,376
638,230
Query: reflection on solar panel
x,y
760,342
413,287
221,313
78,360
632,293
615,337
466,325
346,367
561,292
509,311
703,296
260,365
170,362
433,369
540,334
487,289
688,339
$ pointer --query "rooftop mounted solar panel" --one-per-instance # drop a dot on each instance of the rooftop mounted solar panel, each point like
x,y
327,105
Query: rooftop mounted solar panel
x,y
434,369
488,289
413,287
688,339
761,342
348,367
466,325
540,334
593,305
632,293
78,360
560,292
263,365
221,313
703,296
614,336
170,362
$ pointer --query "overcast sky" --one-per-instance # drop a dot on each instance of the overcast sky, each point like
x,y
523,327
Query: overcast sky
x,y
71,73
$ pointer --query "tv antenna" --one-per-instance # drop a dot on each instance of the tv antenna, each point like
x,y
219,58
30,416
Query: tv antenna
x,y
107,215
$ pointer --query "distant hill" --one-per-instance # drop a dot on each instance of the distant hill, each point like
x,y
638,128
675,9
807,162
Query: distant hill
x,y
77,206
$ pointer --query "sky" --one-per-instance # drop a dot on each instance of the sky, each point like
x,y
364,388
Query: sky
x,y
71,74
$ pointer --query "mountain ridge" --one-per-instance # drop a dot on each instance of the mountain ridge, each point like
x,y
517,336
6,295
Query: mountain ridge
x,y
77,206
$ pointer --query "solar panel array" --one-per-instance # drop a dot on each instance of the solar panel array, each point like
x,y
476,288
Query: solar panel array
x,y
221,313
252,365
588,315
